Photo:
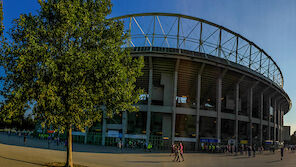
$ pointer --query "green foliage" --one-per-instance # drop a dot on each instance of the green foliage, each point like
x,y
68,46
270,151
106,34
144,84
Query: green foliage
x,y
67,62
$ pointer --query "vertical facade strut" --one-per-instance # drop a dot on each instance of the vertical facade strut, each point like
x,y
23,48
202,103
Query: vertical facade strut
x,y
250,57
104,128
218,104
268,107
149,99
124,127
153,34
236,50
178,33
236,113
261,117
250,116
260,65
174,100
198,89
219,46
274,120
129,32
200,38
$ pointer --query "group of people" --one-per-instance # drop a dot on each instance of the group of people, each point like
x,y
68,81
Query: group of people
x,y
177,150
209,148
135,144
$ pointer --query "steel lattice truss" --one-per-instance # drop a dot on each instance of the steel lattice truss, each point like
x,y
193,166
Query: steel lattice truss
x,y
194,34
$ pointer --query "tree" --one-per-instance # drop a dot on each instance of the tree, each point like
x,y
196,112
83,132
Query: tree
x,y
67,64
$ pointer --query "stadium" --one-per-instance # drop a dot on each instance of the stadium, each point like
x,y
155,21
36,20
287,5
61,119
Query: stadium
x,y
204,84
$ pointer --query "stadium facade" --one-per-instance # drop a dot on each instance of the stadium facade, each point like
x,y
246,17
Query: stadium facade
x,y
204,84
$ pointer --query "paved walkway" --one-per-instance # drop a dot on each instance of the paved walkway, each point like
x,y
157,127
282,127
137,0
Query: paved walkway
x,y
23,156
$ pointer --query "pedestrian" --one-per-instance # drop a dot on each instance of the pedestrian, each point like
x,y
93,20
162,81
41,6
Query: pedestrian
x,y
172,149
176,152
25,139
273,149
241,150
181,151
120,145
254,151
177,155
282,153
58,141
249,151
149,147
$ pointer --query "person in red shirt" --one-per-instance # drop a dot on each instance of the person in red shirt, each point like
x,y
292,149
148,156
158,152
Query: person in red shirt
x,y
181,150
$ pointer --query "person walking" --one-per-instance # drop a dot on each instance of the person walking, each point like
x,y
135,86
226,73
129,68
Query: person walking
x,y
181,151
273,149
254,150
149,147
25,139
282,153
178,154
249,151
173,149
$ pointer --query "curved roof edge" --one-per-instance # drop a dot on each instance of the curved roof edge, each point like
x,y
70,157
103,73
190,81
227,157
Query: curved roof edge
x,y
207,22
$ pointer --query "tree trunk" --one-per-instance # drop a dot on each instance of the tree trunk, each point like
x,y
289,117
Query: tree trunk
x,y
69,148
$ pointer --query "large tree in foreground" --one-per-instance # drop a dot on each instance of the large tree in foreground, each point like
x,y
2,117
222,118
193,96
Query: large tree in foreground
x,y
67,62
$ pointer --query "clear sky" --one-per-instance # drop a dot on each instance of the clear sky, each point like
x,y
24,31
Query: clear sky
x,y
271,24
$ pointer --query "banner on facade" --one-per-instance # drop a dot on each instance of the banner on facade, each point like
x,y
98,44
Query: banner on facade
x,y
113,133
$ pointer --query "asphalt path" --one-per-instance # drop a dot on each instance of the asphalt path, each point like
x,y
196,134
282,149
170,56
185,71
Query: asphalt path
x,y
35,153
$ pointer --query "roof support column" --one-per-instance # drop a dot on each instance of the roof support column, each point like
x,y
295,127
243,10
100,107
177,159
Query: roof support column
x,y
261,117
250,116
198,88
268,107
104,128
251,113
261,114
218,104
282,124
124,127
148,122
174,100
236,110
279,121
274,120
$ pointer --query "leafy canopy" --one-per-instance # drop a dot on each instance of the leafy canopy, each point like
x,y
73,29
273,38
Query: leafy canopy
x,y
68,63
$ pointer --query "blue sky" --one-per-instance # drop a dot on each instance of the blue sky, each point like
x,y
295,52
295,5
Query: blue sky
x,y
271,24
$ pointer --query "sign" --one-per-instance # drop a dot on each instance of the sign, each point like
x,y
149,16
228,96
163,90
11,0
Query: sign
x,y
144,96
113,133
231,141
182,99
78,133
185,139
132,136
268,142
50,131
209,141
203,140
244,142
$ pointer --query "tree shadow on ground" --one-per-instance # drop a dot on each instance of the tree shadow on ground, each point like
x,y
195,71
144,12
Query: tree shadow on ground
x,y
241,157
22,161
152,162
269,162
